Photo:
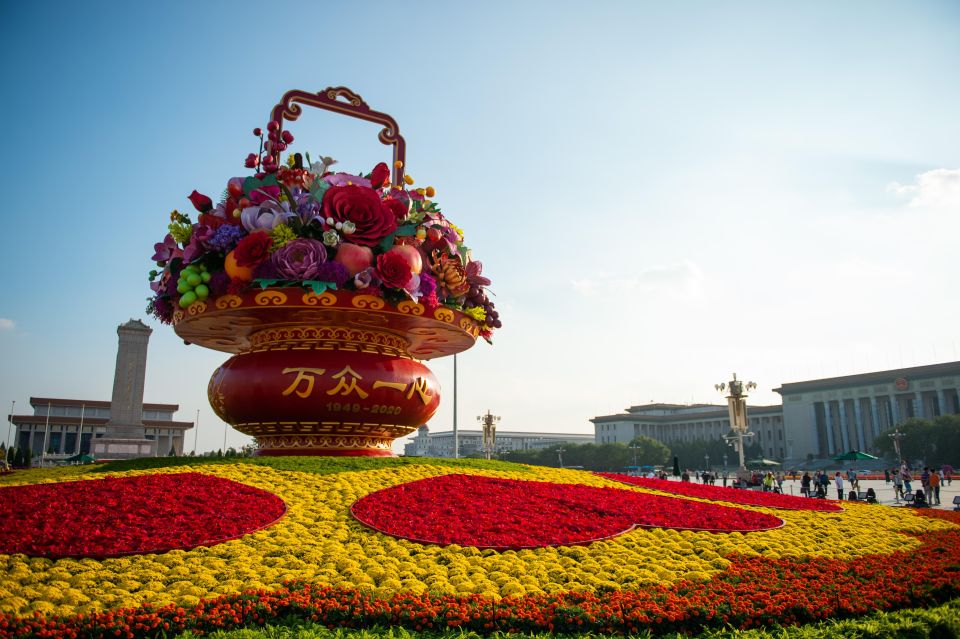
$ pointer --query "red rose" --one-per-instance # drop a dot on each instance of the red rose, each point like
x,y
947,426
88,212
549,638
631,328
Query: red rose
x,y
393,270
211,221
253,249
379,175
200,201
398,208
363,207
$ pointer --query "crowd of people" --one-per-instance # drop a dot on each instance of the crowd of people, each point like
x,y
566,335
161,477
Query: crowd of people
x,y
819,483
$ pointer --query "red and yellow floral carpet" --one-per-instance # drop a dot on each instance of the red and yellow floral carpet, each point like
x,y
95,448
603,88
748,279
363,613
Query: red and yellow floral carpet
x,y
428,546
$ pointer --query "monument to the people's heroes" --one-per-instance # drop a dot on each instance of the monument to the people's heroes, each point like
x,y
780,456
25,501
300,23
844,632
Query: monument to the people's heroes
x,y
125,435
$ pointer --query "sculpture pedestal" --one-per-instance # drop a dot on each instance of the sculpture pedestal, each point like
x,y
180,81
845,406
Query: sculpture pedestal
x,y
330,374
111,448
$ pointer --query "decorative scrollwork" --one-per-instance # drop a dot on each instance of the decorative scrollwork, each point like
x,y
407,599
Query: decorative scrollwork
x,y
368,301
229,301
444,315
324,299
469,325
354,106
335,93
270,298
411,308
197,308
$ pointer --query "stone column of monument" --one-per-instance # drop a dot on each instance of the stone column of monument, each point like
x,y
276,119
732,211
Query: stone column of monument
x,y
125,435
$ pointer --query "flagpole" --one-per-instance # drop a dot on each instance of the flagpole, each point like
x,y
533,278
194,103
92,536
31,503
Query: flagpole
x,y
196,430
46,430
83,408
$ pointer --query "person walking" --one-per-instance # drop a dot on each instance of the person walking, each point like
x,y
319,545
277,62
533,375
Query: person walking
x,y
907,480
805,484
934,488
838,482
897,484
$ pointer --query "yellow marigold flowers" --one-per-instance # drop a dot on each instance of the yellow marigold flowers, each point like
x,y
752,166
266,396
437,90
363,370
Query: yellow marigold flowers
x,y
317,540
430,191
408,180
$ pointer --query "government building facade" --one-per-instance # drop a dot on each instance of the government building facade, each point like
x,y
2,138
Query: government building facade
x,y
440,444
817,419
67,427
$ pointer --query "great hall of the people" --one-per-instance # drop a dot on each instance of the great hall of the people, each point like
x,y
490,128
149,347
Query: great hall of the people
x,y
818,418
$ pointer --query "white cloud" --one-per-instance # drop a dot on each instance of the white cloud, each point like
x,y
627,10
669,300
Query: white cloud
x,y
6,324
939,188
682,279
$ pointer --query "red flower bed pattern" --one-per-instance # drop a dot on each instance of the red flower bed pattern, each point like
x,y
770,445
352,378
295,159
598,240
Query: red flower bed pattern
x,y
733,495
507,513
130,515
753,592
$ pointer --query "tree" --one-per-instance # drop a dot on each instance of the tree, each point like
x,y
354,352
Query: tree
x,y
173,452
649,451
17,460
27,457
933,442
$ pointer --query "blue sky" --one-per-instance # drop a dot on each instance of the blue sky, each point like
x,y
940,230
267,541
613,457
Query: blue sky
x,y
662,193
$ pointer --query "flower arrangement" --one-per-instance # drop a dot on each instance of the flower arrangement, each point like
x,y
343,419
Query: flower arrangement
x,y
317,563
301,225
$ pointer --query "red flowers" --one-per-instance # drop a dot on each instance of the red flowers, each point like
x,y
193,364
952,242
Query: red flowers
x,y
393,270
362,206
130,515
254,249
200,201
380,175
508,513
734,495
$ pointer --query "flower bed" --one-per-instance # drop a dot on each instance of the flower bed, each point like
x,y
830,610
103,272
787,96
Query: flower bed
x,y
730,495
505,513
130,515
318,563
754,592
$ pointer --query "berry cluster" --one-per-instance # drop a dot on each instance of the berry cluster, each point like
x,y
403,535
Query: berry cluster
x,y
267,159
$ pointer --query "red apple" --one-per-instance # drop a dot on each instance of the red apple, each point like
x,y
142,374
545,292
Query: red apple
x,y
354,257
411,255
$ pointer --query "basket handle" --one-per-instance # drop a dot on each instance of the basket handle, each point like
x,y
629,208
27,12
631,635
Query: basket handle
x,y
343,100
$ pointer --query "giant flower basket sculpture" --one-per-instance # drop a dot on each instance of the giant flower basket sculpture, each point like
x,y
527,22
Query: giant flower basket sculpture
x,y
328,288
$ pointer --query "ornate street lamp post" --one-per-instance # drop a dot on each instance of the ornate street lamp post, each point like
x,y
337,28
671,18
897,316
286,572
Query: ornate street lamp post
x,y
737,406
489,422
896,436
635,448
560,452
706,460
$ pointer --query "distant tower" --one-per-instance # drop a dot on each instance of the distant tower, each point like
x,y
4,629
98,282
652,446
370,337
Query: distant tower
x,y
125,435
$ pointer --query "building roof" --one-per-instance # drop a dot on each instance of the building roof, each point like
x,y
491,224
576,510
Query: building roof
x,y
91,421
878,377
511,433
93,403
684,417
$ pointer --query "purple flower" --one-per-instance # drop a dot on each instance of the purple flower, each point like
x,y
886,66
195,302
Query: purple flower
x,y
266,216
195,248
218,284
299,259
166,250
367,278
333,272
343,179
162,309
428,284
225,238
266,271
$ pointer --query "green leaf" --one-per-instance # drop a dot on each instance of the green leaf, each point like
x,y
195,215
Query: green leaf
x,y
264,283
251,184
318,188
319,287
387,242
406,230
